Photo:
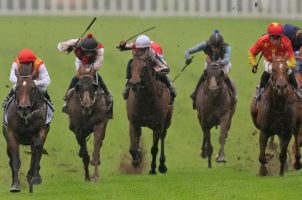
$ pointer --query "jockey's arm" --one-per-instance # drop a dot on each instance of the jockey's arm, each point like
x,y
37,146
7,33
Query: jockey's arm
x,y
98,63
161,65
124,46
63,46
13,77
199,47
251,59
227,56
43,79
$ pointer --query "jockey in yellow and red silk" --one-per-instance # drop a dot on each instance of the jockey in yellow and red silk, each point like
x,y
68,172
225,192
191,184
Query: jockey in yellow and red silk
x,y
273,44
155,52
294,34
90,55
217,51
27,58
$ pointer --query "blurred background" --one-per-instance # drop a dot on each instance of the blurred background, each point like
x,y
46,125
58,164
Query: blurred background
x,y
290,9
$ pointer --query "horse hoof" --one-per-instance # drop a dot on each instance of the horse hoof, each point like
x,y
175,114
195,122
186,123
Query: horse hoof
x,y
36,180
297,165
263,170
203,154
95,178
162,169
152,172
15,188
220,159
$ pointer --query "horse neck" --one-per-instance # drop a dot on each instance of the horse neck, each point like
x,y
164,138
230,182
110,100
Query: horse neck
x,y
277,102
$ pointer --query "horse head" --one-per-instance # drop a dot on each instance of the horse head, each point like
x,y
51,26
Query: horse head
x,y
141,72
214,78
27,93
279,77
86,90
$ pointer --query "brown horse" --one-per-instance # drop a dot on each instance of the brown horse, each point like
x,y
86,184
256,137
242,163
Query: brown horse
x,y
277,113
148,106
215,106
24,122
87,110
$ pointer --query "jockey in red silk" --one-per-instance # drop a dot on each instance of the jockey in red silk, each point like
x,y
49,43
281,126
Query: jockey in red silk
x,y
155,52
217,51
39,73
90,55
273,44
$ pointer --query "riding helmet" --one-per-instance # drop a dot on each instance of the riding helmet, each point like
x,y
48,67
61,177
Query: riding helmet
x,y
275,29
89,43
26,55
216,39
142,41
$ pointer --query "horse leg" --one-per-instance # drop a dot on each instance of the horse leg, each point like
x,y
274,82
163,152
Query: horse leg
x,y
14,161
135,133
207,148
162,167
99,135
296,150
262,157
154,150
84,154
36,155
224,127
283,154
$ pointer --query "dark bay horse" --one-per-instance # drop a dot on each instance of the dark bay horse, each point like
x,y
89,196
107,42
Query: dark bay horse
x,y
148,106
24,122
215,106
277,113
87,113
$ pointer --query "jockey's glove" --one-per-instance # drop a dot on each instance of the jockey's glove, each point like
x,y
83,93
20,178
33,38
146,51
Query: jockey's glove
x,y
188,61
254,69
37,82
70,49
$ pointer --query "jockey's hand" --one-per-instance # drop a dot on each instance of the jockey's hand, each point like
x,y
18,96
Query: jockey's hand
x,y
70,49
37,82
188,61
122,45
254,69
157,69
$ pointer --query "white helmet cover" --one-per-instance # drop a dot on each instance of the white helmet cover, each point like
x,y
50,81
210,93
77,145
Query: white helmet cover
x,y
142,41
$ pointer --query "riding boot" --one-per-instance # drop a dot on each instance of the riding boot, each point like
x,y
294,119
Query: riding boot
x,y
293,82
193,95
125,92
109,98
228,81
73,83
165,78
264,79
8,97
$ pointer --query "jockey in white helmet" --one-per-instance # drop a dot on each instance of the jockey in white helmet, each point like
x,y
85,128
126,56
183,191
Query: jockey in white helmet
x,y
155,52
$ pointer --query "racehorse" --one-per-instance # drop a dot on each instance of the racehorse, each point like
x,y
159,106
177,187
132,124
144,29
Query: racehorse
x,y
215,106
148,106
24,122
87,110
277,113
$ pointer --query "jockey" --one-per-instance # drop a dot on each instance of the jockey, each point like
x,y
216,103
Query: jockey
x,y
294,34
89,54
216,52
40,75
273,44
155,52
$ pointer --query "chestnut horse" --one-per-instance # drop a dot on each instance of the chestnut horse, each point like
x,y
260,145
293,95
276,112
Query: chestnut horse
x,y
215,106
24,122
277,113
148,106
87,110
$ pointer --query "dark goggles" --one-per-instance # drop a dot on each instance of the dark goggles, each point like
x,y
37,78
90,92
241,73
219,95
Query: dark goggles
x,y
275,37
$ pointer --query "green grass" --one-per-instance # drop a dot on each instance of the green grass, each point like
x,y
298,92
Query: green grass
x,y
188,176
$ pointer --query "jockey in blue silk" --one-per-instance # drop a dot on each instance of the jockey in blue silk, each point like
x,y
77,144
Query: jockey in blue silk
x,y
217,51
294,34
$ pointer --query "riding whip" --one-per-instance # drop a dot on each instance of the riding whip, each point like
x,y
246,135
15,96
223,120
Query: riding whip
x,y
141,33
183,69
93,20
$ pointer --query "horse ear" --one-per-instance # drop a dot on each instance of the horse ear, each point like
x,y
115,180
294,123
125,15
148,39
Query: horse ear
x,y
273,57
222,73
95,86
205,73
77,87
17,73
